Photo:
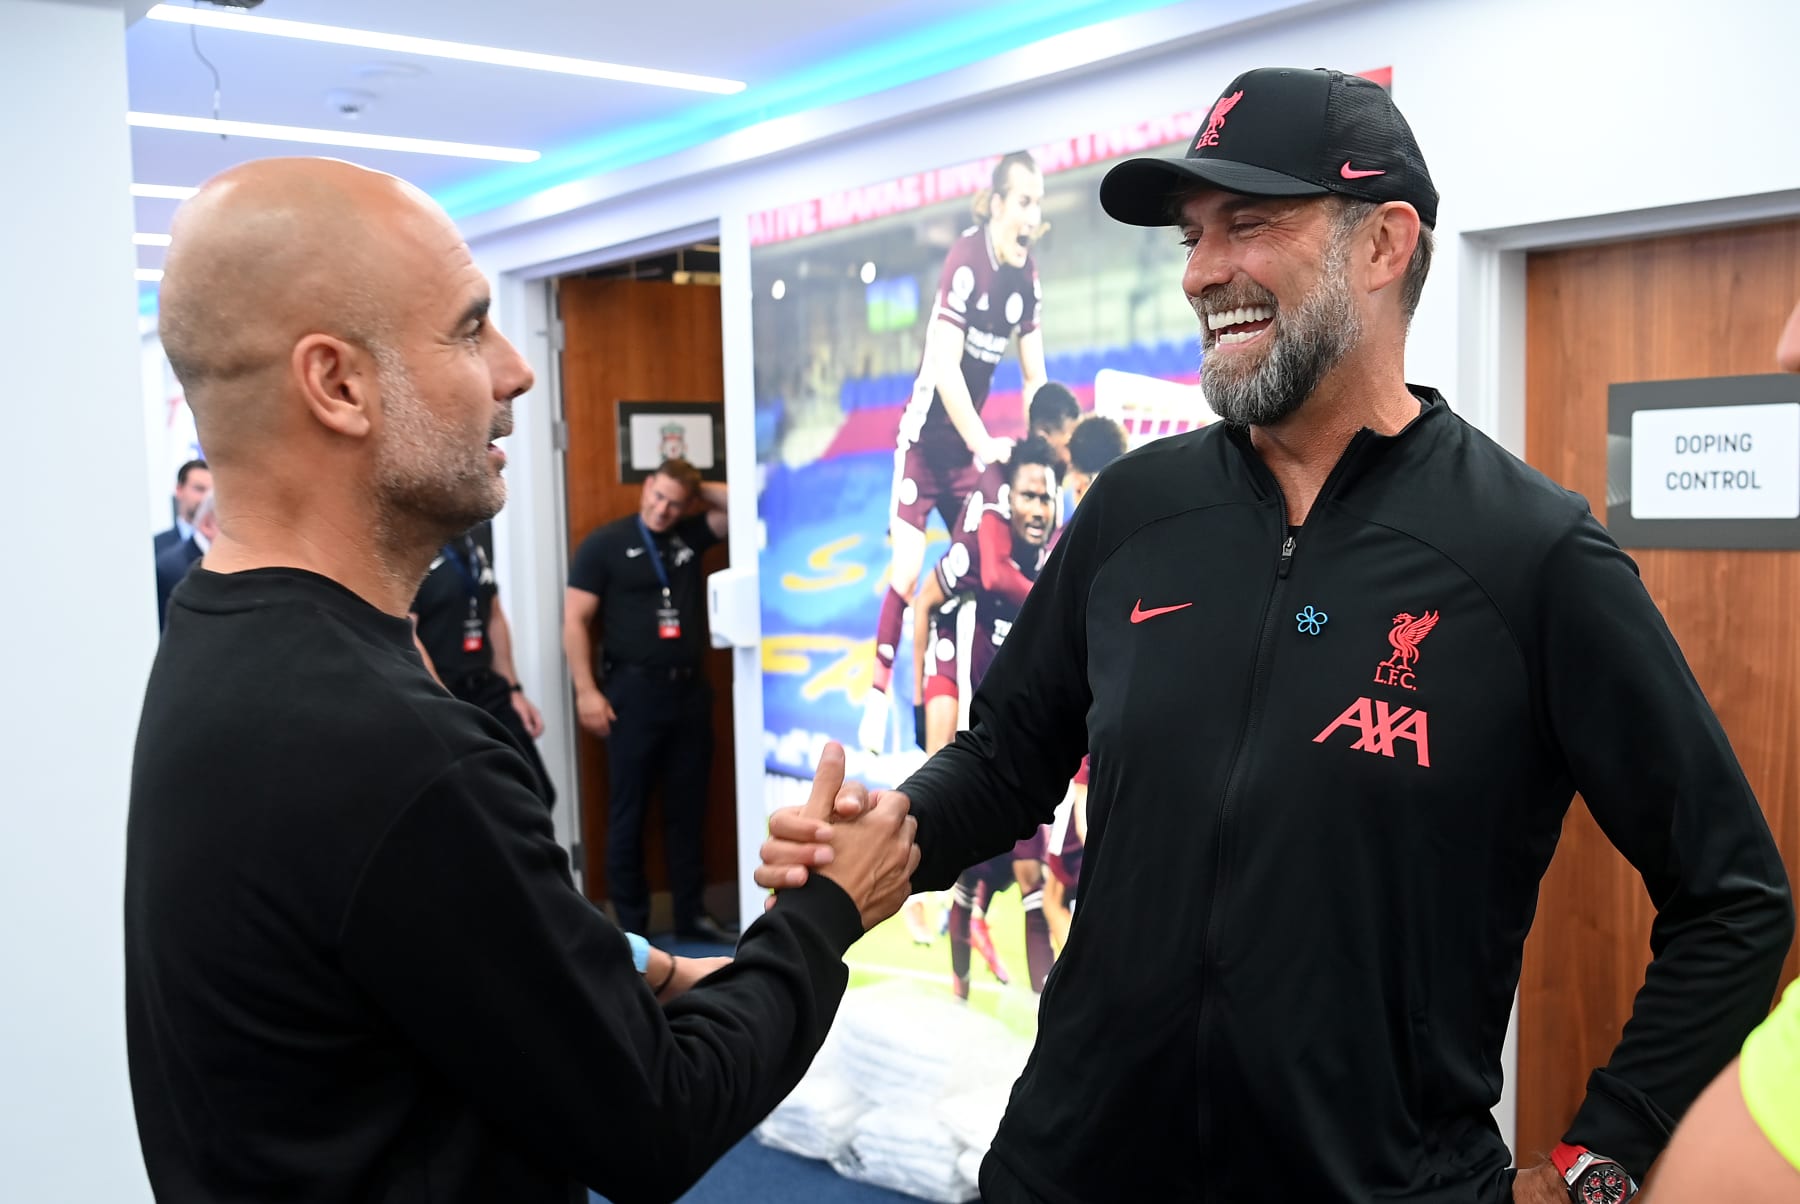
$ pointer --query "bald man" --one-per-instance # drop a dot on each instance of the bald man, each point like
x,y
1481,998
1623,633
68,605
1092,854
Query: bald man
x,y
356,967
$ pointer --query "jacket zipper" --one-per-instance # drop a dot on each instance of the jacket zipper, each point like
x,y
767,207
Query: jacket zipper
x,y
1258,679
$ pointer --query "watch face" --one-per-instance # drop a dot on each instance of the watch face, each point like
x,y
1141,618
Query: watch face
x,y
1603,1183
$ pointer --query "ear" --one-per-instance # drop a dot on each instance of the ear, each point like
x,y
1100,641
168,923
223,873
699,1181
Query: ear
x,y
337,382
1395,232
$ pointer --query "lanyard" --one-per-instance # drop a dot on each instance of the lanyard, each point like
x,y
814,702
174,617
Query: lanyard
x,y
656,561
466,570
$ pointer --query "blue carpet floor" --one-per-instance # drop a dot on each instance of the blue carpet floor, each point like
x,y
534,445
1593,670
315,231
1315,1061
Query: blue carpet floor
x,y
754,1174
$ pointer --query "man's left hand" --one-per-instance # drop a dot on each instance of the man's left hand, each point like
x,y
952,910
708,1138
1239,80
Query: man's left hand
x,y
1540,1185
528,714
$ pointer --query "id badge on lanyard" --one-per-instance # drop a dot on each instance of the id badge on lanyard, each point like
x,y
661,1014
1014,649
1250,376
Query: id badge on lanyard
x,y
668,618
473,638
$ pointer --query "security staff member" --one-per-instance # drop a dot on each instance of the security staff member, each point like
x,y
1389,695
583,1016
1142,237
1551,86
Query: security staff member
x,y
640,577
462,633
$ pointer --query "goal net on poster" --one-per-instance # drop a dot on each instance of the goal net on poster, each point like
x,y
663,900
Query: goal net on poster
x,y
1148,407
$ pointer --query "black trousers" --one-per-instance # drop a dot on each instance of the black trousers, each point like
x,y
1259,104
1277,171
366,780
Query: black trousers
x,y
491,692
662,733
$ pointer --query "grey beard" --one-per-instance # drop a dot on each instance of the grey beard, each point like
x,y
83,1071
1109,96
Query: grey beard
x,y
1303,349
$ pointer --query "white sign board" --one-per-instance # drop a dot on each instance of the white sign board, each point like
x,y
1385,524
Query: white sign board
x,y
1716,462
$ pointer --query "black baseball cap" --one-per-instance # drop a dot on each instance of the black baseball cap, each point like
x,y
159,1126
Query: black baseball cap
x,y
1284,131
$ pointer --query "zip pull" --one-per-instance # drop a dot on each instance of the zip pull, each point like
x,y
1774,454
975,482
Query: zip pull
x,y
1287,557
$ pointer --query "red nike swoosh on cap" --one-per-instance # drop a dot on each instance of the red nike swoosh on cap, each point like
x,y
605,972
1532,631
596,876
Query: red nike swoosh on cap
x,y
1350,173
1139,614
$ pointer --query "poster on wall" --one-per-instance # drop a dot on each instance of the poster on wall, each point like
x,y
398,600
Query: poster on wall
x,y
927,351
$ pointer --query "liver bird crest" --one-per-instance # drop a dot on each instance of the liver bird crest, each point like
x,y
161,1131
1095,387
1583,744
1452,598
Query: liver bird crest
x,y
1406,635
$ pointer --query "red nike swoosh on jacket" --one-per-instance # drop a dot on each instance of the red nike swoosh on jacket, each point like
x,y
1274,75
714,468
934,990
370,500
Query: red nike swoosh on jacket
x,y
1139,614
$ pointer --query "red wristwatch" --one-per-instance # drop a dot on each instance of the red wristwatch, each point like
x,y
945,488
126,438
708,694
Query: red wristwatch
x,y
1592,1178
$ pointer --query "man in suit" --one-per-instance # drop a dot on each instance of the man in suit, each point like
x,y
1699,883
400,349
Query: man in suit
x,y
173,562
192,485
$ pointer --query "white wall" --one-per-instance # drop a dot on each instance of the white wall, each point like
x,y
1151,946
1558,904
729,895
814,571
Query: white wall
x,y
170,439
1552,115
80,626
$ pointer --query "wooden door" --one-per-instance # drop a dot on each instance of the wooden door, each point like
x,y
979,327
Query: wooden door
x,y
1690,305
641,340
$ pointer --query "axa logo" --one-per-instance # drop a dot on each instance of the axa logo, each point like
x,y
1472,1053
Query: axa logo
x,y
1379,728
1210,135
1408,632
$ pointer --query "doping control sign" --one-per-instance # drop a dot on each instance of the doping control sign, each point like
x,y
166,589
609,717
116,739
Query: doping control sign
x,y
1705,463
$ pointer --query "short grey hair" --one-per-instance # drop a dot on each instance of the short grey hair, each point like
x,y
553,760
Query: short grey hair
x,y
1350,214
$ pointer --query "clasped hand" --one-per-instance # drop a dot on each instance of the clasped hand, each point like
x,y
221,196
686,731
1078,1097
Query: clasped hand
x,y
861,841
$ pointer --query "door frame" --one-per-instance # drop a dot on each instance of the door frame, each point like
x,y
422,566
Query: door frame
x,y
532,560
1490,356
1491,292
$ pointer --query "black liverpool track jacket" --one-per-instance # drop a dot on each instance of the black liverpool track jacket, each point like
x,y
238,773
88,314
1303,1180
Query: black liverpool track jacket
x,y
1328,773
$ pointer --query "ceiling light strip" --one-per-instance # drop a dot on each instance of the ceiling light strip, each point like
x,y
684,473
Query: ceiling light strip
x,y
307,31
295,133
150,240
163,192
148,275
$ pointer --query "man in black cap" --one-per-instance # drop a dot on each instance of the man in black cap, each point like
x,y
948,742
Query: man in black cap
x,y
1341,663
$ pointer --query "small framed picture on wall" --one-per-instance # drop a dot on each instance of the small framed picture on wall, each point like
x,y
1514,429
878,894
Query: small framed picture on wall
x,y
653,431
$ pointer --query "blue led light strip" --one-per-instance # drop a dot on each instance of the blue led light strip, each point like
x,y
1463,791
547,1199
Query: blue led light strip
x,y
984,33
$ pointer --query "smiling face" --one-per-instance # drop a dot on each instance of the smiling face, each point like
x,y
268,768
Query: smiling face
x,y
663,500
1015,215
1268,279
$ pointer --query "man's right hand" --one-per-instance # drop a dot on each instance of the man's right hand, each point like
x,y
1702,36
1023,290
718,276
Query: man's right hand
x,y
864,844
595,713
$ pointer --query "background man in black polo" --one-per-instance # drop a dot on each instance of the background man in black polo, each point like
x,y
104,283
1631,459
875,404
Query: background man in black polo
x,y
461,631
640,688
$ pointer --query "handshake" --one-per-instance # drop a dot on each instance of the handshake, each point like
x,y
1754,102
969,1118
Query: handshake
x,y
861,841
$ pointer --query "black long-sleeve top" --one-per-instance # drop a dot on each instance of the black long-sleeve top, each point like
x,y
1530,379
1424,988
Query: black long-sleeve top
x,y
1328,774
356,967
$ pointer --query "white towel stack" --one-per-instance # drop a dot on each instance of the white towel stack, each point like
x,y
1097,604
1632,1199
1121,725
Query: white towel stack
x,y
904,1150
906,1094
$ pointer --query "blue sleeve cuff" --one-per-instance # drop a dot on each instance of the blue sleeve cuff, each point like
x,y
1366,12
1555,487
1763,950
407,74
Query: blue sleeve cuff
x,y
640,952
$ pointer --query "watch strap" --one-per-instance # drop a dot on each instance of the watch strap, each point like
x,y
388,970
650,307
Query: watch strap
x,y
1565,1156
